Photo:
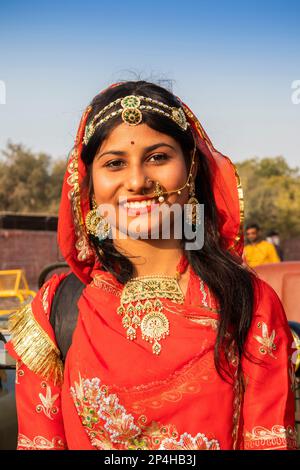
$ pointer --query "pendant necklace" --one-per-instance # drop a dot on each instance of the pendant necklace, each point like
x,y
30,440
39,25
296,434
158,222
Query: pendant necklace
x,y
140,305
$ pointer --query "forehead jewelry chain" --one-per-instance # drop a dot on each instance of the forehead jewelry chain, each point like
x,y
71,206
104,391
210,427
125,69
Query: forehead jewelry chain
x,y
141,307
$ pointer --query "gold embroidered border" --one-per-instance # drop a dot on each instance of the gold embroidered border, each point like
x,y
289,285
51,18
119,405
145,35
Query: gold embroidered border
x,y
40,443
45,293
99,281
276,438
241,205
82,243
33,345
237,403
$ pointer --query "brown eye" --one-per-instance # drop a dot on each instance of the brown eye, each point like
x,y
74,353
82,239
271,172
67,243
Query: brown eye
x,y
113,164
162,156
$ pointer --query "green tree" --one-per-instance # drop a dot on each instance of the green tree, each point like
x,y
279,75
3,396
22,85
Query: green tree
x,y
28,183
55,184
271,194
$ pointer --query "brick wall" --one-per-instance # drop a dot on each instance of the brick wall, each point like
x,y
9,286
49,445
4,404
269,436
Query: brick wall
x,y
291,249
30,250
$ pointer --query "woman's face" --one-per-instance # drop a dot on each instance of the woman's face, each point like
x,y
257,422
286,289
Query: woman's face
x,y
120,169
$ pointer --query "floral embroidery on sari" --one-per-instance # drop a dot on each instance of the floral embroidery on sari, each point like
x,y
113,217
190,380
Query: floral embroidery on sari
x,y
266,341
187,442
275,438
110,426
40,443
47,401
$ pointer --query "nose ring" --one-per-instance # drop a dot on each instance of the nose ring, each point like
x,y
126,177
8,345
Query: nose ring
x,y
147,180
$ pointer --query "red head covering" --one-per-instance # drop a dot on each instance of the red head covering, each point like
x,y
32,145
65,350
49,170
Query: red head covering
x,y
72,236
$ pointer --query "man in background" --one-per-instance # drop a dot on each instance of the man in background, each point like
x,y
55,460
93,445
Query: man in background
x,y
258,251
273,237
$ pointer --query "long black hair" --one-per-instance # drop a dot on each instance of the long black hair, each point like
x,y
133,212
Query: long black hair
x,y
230,282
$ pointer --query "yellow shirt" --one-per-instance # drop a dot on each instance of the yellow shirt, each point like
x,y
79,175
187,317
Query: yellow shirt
x,y
261,253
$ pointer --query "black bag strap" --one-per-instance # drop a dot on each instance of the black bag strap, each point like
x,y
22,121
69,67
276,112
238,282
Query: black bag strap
x,y
64,311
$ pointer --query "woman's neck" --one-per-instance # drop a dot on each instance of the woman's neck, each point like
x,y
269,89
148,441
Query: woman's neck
x,y
151,256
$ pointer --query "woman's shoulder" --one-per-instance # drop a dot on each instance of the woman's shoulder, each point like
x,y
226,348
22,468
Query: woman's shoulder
x,y
268,311
266,298
46,293
32,336
269,337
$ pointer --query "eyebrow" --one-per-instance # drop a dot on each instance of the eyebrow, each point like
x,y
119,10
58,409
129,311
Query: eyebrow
x,y
147,149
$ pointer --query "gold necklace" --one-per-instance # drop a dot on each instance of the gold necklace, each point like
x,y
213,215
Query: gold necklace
x,y
146,290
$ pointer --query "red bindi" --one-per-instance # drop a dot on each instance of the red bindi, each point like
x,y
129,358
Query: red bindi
x,y
132,142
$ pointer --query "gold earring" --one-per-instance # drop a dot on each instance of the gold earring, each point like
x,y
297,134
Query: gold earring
x,y
193,215
96,225
92,219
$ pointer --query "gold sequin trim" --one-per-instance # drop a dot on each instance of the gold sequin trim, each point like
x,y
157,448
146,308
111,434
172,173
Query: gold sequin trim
x,y
33,345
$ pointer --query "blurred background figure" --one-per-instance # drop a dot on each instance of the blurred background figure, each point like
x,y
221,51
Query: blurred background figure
x,y
258,251
274,238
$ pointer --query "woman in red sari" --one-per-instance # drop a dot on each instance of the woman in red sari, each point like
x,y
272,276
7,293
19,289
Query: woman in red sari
x,y
173,348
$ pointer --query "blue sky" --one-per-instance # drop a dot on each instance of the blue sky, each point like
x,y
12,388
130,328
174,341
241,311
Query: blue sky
x,y
232,62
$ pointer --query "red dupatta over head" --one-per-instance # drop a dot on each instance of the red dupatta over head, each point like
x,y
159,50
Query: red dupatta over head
x,y
72,236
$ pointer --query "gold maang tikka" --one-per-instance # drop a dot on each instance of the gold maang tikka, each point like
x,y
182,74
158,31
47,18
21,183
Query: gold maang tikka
x,y
147,312
131,108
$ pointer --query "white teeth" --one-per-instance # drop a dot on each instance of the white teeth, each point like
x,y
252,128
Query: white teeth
x,y
136,205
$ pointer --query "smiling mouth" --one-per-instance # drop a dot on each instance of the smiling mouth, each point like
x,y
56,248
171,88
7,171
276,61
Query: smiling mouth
x,y
138,207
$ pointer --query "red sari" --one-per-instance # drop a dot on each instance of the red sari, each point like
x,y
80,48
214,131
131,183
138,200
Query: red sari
x,y
116,394
113,393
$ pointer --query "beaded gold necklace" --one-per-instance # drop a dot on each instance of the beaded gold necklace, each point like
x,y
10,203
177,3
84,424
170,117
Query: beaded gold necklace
x,y
146,291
